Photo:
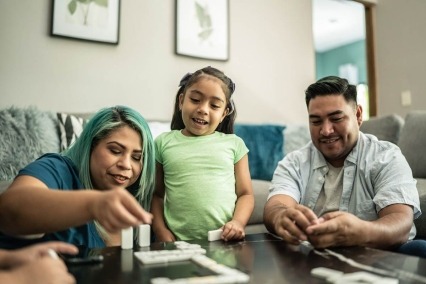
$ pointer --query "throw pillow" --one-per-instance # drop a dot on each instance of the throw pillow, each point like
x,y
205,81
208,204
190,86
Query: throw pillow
x,y
70,128
265,143
26,134
295,136
386,128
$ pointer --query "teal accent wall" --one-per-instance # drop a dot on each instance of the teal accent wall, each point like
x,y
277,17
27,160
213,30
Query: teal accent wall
x,y
328,62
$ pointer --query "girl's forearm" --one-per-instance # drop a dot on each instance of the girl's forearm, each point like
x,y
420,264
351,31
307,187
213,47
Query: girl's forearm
x,y
244,208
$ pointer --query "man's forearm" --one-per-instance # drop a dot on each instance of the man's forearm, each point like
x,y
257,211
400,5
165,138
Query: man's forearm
x,y
389,231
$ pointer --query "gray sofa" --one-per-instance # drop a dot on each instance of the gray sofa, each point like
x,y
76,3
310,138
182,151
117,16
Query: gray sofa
x,y
27,133
408,134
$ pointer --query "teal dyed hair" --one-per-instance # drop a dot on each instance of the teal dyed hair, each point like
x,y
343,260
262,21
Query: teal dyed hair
x,y
101,125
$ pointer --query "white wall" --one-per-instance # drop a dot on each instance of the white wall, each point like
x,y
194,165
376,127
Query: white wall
x,y
271,60
401,55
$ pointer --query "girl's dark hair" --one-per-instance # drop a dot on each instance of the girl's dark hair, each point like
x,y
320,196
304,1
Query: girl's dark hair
x,y
228,87
331,85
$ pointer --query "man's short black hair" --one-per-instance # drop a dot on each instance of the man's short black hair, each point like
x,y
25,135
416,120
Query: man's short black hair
x,y
331,85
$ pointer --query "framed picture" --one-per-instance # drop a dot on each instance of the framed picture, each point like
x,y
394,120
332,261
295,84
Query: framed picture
x,y
202,29
93,20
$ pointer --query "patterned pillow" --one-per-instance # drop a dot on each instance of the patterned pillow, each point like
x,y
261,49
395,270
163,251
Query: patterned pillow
x,y
70,128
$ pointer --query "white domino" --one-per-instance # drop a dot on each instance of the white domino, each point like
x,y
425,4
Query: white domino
x,y
127,238
144,235
214,235
191,252
324,272
184,251
338,277
363,277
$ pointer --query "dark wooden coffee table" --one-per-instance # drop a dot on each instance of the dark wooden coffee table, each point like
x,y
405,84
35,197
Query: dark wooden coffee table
x,y
262,256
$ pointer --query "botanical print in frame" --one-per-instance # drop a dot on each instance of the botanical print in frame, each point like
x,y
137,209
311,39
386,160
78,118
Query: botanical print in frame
x,y
93,20
202,29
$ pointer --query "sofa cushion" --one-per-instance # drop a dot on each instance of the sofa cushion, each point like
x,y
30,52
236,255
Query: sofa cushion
x,y
265,143
26,134
295,136
386,128
412,142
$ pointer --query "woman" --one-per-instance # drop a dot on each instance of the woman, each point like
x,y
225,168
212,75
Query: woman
x,y
51,198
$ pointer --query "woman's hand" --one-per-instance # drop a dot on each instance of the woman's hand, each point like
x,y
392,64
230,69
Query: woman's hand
x,y
117,209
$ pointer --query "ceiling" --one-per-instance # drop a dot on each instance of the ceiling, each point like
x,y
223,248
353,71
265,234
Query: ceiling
x,y
336,23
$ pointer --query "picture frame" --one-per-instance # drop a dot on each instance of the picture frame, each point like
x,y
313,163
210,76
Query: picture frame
x,y
90,20
202,29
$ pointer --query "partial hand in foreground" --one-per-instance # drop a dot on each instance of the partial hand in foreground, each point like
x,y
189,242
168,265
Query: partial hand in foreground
x,y
34,264
14,258
45,270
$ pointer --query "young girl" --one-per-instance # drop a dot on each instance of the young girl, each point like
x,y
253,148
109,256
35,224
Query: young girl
x,y
203,181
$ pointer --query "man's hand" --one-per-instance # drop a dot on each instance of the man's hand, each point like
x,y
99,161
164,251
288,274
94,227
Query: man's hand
x,y
338,229
286,218
345,229
291,223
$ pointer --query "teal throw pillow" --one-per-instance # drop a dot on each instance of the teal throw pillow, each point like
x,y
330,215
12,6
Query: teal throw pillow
x,y
265,142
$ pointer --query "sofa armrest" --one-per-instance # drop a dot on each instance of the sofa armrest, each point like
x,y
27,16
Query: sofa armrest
x,y
412,141
421,221
260,191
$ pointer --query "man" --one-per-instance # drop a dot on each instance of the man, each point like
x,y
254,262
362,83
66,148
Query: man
x,y
344,187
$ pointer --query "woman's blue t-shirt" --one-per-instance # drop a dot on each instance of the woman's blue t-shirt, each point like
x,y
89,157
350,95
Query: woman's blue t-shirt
x,y
58,173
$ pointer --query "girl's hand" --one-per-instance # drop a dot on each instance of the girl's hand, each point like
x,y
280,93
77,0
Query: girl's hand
x,y
233,230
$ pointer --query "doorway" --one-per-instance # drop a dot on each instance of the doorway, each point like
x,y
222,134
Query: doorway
x,y
344,46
